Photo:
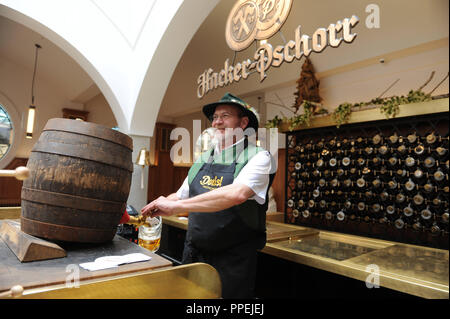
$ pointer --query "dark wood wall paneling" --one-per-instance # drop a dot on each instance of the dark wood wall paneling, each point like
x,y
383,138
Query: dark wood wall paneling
x,y
10,188
279,181
164,178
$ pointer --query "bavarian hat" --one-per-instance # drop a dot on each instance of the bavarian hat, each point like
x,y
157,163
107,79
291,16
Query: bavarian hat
x,y
230,99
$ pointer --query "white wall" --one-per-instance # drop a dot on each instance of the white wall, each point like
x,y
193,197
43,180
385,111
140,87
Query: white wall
x,y
403,24
100,112
15,95
364,83
15,85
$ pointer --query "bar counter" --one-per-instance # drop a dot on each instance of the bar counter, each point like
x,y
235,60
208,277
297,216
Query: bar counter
x,y
152,279
414,270
410,269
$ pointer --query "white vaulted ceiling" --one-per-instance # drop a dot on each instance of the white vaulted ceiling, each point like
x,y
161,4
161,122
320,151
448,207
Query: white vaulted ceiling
x,y
404,24
126,47
54,65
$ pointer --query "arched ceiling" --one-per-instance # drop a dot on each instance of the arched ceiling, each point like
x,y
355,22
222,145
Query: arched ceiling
x,y
188,57
131,64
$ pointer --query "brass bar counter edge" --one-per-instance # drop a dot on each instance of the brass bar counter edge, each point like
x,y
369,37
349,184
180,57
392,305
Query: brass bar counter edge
x,y
193,281
412,276
355,267
196,280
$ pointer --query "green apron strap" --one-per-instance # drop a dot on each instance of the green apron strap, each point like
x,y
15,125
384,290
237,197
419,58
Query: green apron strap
x,y
250,151
201,160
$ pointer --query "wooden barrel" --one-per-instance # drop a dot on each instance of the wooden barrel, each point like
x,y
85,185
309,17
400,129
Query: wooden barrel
x,y
79,184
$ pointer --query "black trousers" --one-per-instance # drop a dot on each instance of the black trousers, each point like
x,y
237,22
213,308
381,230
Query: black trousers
x,y
236,267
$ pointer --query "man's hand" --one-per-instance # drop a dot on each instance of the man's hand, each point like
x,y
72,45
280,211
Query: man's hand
x,y
161,206
209,202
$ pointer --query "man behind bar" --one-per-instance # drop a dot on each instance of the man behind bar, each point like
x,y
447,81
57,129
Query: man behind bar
x,y
227,199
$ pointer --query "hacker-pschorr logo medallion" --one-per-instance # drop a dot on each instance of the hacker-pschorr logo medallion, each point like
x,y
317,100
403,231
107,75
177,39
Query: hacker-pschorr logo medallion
x,y
257,19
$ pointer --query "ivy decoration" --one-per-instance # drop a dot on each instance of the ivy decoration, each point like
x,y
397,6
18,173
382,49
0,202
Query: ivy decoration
x,y
389,106
341,114
308,111
274,123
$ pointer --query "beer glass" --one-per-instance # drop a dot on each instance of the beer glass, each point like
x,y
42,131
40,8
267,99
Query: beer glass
x,y
150,234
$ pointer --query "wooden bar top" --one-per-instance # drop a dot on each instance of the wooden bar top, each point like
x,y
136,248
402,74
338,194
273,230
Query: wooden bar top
x,y
57,271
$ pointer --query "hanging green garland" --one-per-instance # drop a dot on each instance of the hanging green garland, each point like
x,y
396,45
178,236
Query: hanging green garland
x,y
275,122
390,107
341,115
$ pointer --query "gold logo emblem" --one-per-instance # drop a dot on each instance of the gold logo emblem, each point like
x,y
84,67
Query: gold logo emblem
x,y
211,183
254,19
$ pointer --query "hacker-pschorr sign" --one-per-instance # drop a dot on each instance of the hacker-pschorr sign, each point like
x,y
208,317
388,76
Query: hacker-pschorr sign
x,y
251,20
